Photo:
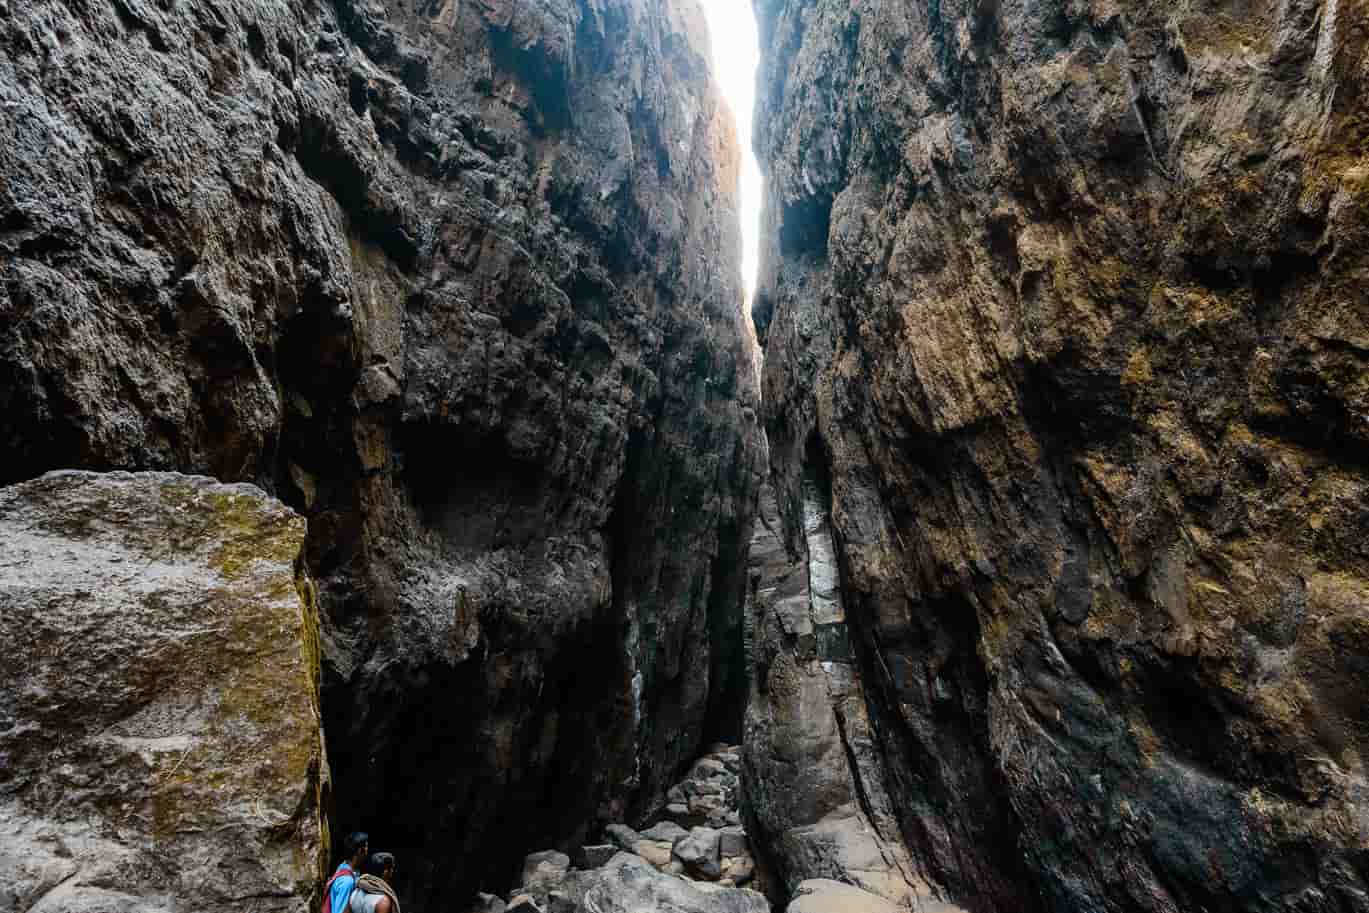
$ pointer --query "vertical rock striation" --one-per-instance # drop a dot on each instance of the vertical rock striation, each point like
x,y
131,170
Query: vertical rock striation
x,y
815,783
458,281
1065,302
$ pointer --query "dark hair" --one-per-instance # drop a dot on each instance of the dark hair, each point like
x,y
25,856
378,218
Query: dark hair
x,y
356,842
378,863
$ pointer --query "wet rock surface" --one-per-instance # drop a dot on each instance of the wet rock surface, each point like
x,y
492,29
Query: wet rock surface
x,y
1061,315
160,746
457,281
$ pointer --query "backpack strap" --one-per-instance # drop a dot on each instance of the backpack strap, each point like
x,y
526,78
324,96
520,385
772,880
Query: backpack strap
x,y
328,889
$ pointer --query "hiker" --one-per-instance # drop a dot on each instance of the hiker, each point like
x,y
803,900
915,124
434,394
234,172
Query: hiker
x,y
339,888
373,893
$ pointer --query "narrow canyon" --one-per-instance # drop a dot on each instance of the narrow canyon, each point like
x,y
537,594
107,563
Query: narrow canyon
x,y
388,443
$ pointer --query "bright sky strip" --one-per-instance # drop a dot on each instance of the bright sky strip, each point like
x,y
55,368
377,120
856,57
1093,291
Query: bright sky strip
x,y
736,55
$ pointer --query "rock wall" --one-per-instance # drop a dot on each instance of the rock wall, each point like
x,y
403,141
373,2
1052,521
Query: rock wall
x,y
815,785
160,748
459,282
1065,302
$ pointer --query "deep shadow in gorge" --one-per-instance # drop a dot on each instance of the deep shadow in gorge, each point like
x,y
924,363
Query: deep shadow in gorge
x,y
448,737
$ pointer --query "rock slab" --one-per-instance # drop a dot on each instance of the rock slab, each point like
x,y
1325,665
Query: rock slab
x,y
159,725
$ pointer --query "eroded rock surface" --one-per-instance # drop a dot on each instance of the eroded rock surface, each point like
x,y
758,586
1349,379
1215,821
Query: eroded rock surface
x,y
1063,306
814,782
160,748
459,282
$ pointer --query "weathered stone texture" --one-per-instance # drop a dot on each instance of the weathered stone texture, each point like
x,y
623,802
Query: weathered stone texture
x,y
1065,302
814,781
629,884
160,747
459,282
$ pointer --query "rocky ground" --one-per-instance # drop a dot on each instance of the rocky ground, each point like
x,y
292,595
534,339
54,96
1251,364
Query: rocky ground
x,y
696,858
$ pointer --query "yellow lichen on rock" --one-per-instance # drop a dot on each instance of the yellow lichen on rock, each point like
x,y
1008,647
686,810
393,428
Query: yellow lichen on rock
x,y
181,721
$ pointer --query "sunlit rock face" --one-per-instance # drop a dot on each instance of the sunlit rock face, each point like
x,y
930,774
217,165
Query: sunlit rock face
x,y
1065,302
159,699
457,281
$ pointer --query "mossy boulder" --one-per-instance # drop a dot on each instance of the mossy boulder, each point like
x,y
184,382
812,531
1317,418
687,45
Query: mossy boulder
x,y
160,745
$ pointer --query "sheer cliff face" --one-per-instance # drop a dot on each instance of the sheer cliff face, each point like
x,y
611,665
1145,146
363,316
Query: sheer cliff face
x,y
1067,300
457,280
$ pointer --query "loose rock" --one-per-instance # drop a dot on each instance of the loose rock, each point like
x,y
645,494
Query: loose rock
x,y
591,857
544,871
656,852
699,852
667,831
629,885
623,836
487,903
523,903
732,841
741,869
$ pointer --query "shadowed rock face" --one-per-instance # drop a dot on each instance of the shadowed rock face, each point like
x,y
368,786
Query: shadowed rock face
x,y
459,282
1065,301
160,748
817,794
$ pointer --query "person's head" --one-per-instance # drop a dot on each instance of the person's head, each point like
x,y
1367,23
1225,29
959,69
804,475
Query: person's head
x,y
381,865
356,846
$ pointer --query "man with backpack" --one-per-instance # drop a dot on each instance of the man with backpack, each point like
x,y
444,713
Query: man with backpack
x,y
339,888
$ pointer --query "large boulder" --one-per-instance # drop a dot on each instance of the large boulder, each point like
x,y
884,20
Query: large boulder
x,y
628,884
159,722
820,895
